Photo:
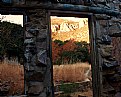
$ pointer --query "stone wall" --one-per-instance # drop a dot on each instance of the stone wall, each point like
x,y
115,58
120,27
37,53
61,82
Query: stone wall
x,y
108,27
109,61
37,45
38,64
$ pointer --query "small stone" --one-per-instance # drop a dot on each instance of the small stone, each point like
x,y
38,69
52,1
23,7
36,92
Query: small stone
x,y
108,88
116,77
115,30
81,95
41,39
29,67
42,56
34,31
108,64
28,35
29,41
36,87
103,19
119,70
102,22
105,39
108,72
101,1
43,95
106,51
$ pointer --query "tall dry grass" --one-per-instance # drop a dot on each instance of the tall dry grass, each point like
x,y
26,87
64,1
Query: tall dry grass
x,y
12,75
70,72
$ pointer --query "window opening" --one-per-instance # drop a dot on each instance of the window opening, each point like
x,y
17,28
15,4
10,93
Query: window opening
x,y
11,55
71,56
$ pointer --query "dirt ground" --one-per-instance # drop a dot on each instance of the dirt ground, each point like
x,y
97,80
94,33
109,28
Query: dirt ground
x,y
76,94
87,94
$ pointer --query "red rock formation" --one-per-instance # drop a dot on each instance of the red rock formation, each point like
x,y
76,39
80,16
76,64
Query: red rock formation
x,y
63,29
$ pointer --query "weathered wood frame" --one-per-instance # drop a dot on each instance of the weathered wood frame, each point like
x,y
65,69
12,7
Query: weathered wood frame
x,y
92,35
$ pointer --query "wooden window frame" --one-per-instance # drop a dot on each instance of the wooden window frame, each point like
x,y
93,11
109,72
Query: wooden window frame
x,y
94,50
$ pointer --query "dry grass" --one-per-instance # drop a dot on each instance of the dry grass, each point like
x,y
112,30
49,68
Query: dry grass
x,y
70,72
13,76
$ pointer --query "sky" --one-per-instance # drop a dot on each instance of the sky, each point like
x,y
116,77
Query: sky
x,y
17,19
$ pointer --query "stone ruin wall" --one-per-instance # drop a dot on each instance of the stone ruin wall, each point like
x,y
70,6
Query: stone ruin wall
x,y
38,65
37,49
39,76
108,50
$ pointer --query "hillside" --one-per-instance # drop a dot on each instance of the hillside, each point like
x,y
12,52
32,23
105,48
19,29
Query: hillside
x,y
66,29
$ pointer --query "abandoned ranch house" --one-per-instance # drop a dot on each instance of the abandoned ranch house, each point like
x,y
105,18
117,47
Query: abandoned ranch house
x,y
104,27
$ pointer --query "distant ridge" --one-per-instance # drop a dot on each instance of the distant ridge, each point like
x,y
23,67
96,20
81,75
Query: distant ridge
x,y
66,29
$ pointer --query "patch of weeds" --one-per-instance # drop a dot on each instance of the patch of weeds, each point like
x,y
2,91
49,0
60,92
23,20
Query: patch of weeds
x,y
68,88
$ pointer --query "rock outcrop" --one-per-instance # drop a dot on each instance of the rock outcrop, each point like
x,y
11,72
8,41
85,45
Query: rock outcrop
x,y
65,29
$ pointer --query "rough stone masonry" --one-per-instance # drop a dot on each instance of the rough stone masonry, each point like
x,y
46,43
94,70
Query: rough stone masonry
x,y
106,23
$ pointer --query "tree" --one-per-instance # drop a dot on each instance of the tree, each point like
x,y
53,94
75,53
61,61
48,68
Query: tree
x,y
69,52
11,40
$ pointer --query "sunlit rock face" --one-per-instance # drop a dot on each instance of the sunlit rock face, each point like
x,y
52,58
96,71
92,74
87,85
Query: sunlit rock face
x,y
70,28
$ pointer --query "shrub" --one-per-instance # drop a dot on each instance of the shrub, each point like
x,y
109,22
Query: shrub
x,y
70,52
11,40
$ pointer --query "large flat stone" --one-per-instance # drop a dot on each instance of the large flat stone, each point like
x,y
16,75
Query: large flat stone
x,y
35,87
106,51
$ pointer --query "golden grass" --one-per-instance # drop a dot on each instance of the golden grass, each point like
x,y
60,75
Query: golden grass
x,y
13,76
70,72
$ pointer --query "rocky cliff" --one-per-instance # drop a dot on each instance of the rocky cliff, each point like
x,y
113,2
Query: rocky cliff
x,y
65,29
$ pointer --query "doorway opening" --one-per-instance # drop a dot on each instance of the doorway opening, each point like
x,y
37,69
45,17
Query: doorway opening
x,y
11,55
71,57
